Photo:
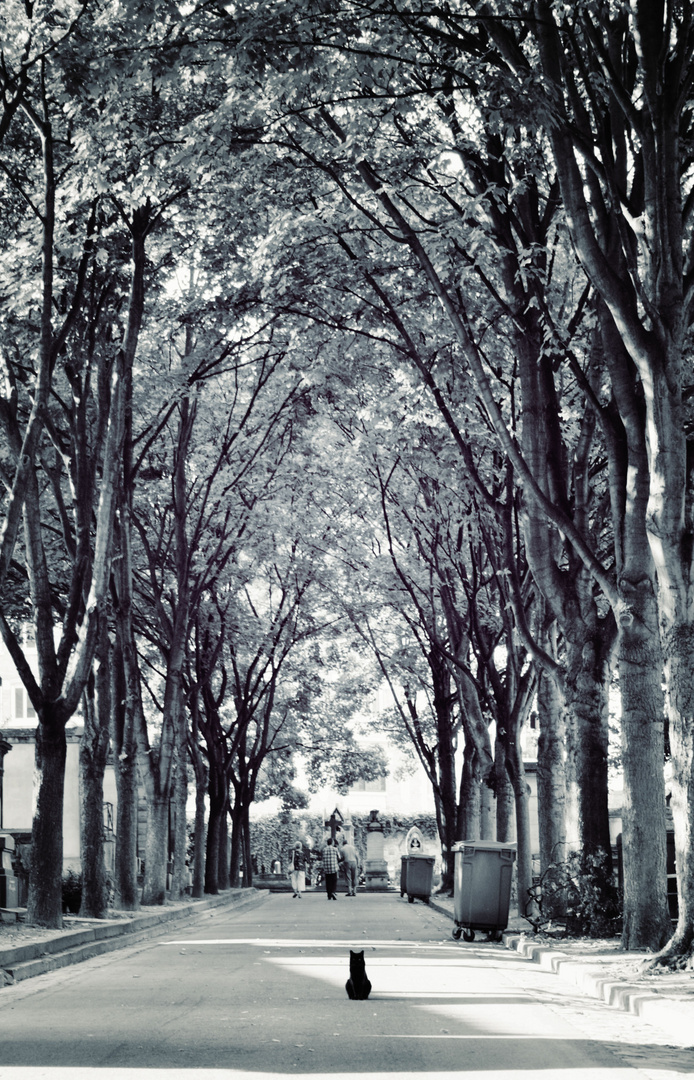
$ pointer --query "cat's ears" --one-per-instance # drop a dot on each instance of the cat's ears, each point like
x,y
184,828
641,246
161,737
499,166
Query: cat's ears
x,y
353,953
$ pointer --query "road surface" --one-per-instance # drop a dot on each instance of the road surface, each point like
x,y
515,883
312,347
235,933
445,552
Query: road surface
x,y
262,994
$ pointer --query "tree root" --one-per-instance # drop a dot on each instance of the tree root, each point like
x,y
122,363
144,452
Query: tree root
x,y
677,955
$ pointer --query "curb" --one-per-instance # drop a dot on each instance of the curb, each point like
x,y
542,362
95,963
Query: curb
x,y
671,1014
73,946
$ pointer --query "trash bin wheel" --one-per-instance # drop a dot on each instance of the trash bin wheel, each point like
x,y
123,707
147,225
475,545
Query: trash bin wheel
x,y
457,932
496,935
410,899
468,935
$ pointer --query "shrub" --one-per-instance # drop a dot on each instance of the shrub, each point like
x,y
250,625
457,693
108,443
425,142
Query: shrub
x,y
583,890
72,892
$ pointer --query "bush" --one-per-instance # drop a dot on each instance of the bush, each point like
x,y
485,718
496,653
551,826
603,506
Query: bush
x,y
72,892
584,891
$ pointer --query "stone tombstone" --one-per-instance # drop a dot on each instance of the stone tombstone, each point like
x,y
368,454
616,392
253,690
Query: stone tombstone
x,y
376,867
414,841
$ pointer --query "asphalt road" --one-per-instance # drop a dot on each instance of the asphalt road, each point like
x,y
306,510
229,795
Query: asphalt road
x,y
262,993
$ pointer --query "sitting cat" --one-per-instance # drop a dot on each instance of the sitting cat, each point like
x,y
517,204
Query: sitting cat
x,y
358,986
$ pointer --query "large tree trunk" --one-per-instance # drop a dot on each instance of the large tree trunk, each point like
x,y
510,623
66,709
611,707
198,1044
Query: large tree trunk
x,y
215,827
234,878
199,844
445,760
587,738
45,902
127,890
228,870
487,811
505,825
476,731
179,879
156,851
127,893
469,799
646,922
93,755
521,791
551,793
94,889
679,665
199,840
246,848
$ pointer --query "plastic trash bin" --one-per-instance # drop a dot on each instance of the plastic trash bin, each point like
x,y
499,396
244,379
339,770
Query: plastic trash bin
x,y
482,887
416,877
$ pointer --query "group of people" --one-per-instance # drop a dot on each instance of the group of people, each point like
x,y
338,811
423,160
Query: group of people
x,y
333,856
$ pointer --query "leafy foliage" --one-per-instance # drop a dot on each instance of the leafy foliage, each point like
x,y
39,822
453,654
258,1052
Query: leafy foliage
x,y
590,901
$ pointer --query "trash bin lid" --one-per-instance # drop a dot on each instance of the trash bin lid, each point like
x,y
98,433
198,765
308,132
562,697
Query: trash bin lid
x,y
484,845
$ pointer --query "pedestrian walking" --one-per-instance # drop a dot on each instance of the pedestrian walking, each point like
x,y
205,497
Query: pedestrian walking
x,y
331,863
350,861
297,870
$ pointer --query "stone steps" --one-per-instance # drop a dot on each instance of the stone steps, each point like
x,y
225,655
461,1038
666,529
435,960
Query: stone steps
x,y
73,946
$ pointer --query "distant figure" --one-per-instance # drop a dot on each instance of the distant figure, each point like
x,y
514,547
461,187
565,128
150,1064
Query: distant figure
x,y
277,867
297,870
331,862
357,986
350,861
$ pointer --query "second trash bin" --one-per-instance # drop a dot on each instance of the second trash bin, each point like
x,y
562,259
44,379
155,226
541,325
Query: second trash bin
x,y
416,877
482,887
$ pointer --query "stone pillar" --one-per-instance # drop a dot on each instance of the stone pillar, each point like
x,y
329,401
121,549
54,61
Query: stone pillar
x,y
5,748
376,868
348,829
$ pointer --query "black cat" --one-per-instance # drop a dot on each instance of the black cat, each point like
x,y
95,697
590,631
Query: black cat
x,y
358,986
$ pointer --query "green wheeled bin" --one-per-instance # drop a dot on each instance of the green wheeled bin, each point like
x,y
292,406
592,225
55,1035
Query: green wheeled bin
x,y
416,877
482,887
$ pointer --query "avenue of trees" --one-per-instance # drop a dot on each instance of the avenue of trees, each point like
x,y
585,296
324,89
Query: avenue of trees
x,y
342,346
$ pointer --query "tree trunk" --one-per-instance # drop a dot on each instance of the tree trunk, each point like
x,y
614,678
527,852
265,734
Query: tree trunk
x,y
587,738
524,857
526,904
45,903
551,792
179,879
234,878
94,890
127,892
487,812
505,825
678,648
227,877
92,757
217,818
246,847
199,835
469,800
646,922
156,851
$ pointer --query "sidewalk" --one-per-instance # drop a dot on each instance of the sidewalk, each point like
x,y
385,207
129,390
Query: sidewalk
x,y
26,951
600,969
